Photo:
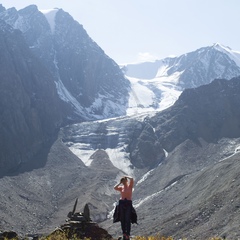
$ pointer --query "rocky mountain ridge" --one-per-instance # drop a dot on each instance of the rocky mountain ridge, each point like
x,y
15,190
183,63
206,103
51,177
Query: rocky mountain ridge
x,y
82,72
195,68
217,114
65,68
161,82
183,159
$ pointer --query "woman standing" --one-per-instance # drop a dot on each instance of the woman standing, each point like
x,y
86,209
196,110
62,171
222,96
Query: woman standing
x,y
125,187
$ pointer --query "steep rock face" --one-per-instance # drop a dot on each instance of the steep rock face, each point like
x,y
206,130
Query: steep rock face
x,y
144,148
28,121
83,67
210,112
85,77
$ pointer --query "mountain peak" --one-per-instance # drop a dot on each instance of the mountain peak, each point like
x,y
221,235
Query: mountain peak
x,y
29,10
234,55
50,16
217,44
2,8
220,47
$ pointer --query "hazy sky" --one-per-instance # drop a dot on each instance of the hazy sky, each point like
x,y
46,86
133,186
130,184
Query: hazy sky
x,y
138,30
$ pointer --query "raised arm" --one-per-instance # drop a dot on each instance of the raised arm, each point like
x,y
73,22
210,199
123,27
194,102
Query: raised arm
x,y
117,186
131,180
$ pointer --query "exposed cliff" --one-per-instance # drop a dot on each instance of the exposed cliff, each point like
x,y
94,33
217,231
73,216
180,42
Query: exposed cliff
x,y
28,122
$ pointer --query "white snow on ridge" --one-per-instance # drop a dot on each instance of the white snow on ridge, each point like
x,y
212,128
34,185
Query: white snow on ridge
x,y
234,55
139,202
50,15
145,176
66,96
162,70
153,95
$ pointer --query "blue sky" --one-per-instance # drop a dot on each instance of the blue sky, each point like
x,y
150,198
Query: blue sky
x,y
140,30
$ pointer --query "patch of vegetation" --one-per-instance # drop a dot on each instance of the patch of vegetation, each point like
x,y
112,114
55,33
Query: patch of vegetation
x,y
63,236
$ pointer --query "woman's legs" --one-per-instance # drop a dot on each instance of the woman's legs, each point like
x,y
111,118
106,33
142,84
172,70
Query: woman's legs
x,y
122,217
128,219
125,217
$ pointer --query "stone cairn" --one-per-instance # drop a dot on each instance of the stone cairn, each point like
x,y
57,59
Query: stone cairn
x,y
79,225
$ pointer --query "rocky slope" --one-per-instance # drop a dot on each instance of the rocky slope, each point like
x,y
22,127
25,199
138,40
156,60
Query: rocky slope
x,y
192,192
210,112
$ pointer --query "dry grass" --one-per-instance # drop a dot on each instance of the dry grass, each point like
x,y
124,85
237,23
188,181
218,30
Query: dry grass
x,y
63,236
157,237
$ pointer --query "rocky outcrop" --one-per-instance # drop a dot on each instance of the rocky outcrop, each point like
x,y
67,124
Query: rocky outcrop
x,y
210,112
78,226
144,148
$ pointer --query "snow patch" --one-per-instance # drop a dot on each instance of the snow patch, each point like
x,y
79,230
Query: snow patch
x,y
139,202
145,176
237,149
50,15
234,55
120,159
79,150
165,152
153,95
66,96
109,107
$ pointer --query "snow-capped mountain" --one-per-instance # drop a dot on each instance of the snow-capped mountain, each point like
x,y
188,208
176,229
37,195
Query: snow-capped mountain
x,y
49,49
157,85
85,77
183,132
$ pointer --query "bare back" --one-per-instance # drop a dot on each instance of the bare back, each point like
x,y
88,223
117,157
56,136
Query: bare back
x,y
126,190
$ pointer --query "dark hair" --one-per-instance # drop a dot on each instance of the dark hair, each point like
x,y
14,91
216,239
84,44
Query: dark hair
x,y
123,178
